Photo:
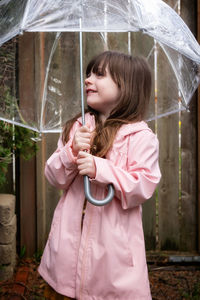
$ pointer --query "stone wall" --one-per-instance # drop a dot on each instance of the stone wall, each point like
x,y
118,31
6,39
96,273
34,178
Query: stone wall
x,y
7,236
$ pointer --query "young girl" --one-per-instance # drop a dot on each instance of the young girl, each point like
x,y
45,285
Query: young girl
x,y
98,252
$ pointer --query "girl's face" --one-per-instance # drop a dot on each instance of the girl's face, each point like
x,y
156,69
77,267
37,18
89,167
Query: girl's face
x,y
102,92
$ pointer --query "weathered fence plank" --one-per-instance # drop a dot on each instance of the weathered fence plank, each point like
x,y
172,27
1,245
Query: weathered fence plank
x,y
189,209
47,196
27,168
168,134
198,135
40,65
144,45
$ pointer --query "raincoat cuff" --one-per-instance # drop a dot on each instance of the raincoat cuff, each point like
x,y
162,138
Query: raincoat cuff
x,y
67,156
100,171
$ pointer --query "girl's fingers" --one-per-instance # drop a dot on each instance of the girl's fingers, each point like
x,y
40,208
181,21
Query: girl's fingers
x,y
81,142
83,167
84,146
85,164
86,127
82,139
84,130
79,139
84,135
83,154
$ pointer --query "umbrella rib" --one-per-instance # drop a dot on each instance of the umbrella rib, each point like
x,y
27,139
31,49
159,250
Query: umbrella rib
x,y
46,78
25,16
19,124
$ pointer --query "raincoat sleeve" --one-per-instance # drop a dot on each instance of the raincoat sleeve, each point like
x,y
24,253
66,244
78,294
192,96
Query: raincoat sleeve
x,y
137,183
61,168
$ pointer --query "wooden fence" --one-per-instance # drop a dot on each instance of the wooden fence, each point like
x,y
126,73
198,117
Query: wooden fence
x,y
170,217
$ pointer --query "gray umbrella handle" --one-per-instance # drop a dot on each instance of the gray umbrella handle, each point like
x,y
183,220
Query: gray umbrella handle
x,y
94,201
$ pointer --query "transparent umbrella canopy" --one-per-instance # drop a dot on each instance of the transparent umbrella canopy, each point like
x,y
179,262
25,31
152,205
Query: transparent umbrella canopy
x,y
154,19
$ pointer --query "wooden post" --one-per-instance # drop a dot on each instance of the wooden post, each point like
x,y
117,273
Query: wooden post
x,y
168,135
27,168
40,159
189,207
198,124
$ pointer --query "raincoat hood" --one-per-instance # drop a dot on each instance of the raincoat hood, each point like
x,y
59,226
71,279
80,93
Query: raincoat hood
x,y
123,131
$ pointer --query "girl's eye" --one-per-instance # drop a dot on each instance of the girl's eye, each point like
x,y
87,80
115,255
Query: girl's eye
x,y
100,73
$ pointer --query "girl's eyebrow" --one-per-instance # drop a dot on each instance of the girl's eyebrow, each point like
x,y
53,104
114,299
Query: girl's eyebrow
x,y
102,69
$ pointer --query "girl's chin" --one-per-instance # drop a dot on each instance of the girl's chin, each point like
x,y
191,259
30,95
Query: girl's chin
x,y
92,105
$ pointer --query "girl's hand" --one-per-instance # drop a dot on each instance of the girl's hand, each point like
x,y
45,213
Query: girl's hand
x,y
81,140
86,164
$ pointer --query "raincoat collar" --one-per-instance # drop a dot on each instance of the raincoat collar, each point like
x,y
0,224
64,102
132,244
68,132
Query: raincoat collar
x,y
131,128
124,130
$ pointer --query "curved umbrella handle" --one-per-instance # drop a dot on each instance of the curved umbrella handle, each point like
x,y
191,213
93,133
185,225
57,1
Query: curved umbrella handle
x,y
94,201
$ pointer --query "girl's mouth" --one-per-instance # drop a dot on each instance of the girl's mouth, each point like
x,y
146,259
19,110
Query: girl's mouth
x,y
88,91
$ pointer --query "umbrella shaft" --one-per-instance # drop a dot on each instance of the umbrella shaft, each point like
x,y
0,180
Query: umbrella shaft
x,y
81,75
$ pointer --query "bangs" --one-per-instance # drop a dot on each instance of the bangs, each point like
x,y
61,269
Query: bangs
x,y
98,64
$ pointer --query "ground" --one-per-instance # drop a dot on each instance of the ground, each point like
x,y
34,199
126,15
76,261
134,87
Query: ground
x,y
171,282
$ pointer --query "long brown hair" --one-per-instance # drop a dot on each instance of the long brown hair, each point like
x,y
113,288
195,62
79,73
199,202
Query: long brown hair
x,y
132,75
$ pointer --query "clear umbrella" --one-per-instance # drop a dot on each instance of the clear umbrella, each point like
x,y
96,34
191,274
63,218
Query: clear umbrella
x,y
153,18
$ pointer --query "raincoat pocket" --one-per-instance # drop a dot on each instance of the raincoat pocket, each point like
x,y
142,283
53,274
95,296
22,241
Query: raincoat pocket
x,y
54,224
129,255
56,217
54,235
121,250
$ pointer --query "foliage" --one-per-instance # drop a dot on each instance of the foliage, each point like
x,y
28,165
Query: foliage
x,y
193,294
14,140
22,252
37,256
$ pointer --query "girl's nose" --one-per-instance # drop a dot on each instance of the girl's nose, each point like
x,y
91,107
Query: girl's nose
x,y
88,80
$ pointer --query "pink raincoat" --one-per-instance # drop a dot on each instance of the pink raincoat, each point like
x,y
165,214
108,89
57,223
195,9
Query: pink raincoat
x,y
106,259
